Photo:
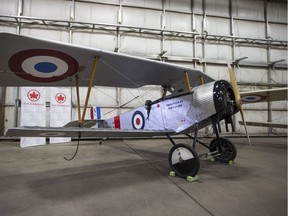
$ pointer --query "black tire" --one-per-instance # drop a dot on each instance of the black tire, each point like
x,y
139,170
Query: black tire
x,y
228,150
183,167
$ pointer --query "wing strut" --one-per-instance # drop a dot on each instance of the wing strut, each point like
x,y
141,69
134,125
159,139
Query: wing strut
x,y
187,81
89,89
201,80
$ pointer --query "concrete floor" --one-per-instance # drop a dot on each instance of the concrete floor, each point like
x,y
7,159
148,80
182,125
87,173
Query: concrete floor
x,y
130,177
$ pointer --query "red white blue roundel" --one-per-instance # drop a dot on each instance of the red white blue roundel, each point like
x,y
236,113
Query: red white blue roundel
x,y
43,65
253,98
138,120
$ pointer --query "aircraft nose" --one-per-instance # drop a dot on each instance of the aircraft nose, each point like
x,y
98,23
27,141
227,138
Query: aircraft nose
x,y
224,98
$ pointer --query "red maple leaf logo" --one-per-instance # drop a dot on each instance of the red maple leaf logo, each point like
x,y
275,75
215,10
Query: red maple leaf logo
x,y
33,95
60,98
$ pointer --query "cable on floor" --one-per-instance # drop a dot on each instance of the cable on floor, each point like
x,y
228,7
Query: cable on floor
x,y
69,159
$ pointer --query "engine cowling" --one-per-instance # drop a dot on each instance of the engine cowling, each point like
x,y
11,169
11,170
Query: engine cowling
x,y
224,99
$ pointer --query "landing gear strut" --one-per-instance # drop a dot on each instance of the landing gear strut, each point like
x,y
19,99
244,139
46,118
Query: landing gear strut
x,y
225,149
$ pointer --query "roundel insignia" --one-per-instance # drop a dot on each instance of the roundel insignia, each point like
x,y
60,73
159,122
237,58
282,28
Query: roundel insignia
x,y
52,134
253,98
138,120
43,65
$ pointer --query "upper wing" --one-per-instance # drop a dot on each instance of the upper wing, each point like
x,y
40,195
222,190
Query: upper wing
x,y
279,94
83,132
27,61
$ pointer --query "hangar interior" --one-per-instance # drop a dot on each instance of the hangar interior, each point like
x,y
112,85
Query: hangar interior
x,y
200,34
132,176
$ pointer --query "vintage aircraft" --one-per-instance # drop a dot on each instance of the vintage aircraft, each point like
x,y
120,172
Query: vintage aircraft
x,y
191,99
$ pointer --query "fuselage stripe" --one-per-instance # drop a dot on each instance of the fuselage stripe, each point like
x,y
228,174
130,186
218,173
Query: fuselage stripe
x,y
91,113
117,122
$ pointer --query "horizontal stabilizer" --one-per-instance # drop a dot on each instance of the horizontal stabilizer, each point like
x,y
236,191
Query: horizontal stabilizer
x,y
88,124
84,132
265,124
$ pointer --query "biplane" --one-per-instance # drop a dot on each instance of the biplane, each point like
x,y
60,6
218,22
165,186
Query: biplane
x,y
191,99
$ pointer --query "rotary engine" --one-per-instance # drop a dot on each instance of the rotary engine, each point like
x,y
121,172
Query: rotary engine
x,y
224,101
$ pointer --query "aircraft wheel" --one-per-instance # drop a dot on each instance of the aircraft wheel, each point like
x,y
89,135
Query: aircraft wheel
x,y
184,161
228,150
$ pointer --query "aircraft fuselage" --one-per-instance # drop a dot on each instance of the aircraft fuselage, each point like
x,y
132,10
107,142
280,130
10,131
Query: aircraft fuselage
x,y
181,112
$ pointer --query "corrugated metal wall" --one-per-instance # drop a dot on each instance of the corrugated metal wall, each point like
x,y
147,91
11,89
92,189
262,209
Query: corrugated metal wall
x,y
196,33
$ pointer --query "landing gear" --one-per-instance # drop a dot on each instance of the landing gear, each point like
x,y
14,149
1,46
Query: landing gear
x,y
226,150
184,161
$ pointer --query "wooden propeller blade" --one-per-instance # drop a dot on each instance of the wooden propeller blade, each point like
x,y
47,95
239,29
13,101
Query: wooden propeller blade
x,y
244,122
238,100
235,88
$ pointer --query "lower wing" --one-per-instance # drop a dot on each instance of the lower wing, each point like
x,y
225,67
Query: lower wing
x,y
83,132
264,124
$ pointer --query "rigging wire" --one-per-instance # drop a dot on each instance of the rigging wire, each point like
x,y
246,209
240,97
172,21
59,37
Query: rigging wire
x,y
136,84
133,82
109,65
135,97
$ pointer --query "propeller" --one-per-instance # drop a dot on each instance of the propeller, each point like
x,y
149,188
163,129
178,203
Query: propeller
x,y
238,99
